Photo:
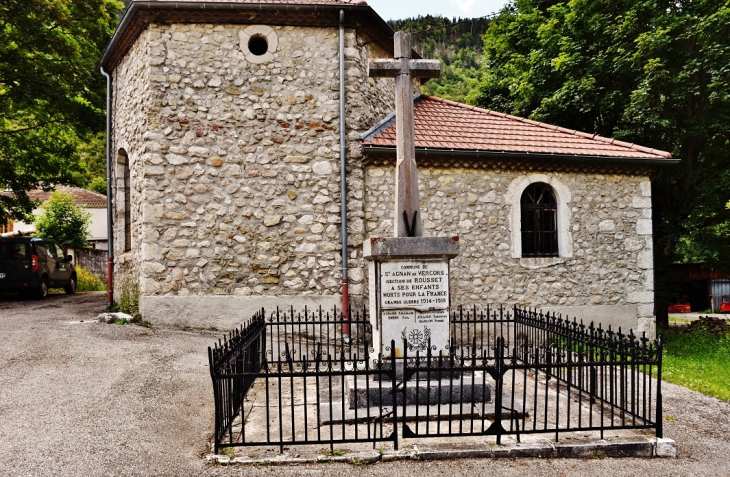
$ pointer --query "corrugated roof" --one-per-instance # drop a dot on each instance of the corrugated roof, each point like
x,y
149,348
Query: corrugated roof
x,y
444,124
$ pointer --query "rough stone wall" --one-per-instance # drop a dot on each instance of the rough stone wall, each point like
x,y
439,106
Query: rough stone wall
x,y
239,169
611,267
130,96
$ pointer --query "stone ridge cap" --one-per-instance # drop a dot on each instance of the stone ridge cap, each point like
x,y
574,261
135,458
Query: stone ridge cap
x,y
387,122
553,127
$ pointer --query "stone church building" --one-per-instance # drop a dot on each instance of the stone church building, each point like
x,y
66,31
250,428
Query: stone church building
x,y
226,167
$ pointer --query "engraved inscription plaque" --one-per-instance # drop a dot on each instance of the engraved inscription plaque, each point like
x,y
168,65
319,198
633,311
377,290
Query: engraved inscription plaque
x,y
414,300
418,285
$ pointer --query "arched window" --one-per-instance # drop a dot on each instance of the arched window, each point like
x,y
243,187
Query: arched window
x,y
539,221
123,162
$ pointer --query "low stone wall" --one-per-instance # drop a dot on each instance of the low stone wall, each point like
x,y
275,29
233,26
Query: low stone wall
x,y
95,261
224,312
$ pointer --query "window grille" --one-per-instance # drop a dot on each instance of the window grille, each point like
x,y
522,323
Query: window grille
x,y
539,211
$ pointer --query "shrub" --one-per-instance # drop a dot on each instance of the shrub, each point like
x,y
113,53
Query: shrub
x,y
61,219
87,281
98,184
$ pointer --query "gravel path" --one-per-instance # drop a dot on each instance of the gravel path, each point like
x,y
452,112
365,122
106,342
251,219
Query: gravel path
x,y
82,398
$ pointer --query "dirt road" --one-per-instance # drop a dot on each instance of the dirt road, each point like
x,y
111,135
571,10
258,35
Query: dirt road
x,y
82,398
79,397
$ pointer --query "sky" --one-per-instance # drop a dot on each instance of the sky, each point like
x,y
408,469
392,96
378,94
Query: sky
x,y
398,9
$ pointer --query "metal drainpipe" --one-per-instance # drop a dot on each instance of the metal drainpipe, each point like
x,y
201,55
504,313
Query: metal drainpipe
x,y
343,187
110,240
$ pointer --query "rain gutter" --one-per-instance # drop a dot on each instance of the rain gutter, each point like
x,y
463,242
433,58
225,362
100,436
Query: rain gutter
x,y
109,217
343,185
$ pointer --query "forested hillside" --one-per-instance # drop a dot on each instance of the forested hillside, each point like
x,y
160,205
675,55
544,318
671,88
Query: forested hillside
x,y
457,43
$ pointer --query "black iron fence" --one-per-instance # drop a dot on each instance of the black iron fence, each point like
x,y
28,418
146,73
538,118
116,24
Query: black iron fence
x,y
292,378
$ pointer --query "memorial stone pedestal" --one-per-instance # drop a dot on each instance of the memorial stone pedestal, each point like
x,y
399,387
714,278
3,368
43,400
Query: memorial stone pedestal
x,y
409,304
409,292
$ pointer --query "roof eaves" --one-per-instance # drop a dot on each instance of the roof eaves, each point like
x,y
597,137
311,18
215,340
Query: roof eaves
x,y
527,155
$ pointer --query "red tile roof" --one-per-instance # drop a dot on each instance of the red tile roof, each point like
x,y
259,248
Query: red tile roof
x,y
444,124
81,196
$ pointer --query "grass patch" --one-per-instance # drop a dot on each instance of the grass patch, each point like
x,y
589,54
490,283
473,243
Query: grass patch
x,y
680,320
333,452
227,452
698,360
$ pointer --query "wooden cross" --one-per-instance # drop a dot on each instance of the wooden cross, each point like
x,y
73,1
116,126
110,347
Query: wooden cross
x,y
403,68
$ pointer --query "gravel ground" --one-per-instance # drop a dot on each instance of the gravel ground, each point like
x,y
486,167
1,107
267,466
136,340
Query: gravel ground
x,y
85,398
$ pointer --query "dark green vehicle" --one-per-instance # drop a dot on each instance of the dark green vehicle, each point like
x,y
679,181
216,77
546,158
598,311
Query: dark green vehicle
x,y
33,265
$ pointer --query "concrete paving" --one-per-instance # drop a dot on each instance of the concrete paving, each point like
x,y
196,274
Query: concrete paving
x,y
82,398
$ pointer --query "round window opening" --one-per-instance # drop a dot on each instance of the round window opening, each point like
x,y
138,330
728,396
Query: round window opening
x,y
258,45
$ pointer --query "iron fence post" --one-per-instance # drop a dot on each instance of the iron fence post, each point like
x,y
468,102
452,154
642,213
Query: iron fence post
x,y
394,386
659,418
499,384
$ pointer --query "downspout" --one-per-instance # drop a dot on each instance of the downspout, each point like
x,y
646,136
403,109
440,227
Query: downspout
x,y
110,240
343,187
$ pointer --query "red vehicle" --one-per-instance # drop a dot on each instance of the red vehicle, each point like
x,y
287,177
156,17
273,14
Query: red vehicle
x,y
725,304
682,308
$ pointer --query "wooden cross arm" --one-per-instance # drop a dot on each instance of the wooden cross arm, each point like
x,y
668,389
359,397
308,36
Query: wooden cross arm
x,y
386,68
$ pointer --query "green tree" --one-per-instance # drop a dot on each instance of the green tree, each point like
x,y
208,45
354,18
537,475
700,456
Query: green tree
x,y
652,72
50,92
92,153
61,219
97,184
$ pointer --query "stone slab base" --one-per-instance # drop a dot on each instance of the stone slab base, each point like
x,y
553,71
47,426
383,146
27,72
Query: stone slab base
x,y
543,449
338,412
223,312
466,389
